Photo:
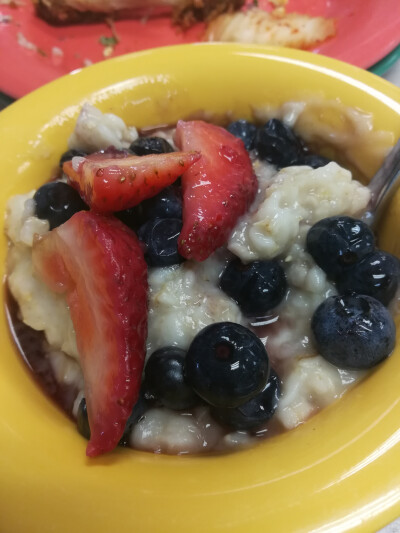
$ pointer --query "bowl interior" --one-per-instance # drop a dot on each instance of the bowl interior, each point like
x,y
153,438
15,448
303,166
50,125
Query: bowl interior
x,y
333,473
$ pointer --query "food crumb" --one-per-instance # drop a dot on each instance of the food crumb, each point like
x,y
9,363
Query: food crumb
x,y
56,51
5,19
108,51
108,41
23,41
57,56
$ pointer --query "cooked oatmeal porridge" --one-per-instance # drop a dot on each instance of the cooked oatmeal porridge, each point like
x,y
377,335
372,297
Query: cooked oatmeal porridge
x,y
233,302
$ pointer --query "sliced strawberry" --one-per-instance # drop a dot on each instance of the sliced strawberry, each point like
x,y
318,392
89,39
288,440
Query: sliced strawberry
x,y
110,184
217,189
98,263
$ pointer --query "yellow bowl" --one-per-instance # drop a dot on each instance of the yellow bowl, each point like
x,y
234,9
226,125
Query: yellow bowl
x,y
338,472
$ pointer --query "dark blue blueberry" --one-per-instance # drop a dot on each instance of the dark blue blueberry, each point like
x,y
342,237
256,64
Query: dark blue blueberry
x,y
337,242
244,130
150,145
57,202
276,143
69,154
353,331
166,204
377,275
138,411
226,364
164,381
161,239
257,287
82,420
131,217
313,160
254,413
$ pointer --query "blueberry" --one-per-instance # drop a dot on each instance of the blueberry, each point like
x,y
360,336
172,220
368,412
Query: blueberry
x,y
313,160
138,411
276,143
257,287
164,380
226,364
166,204
150,145
244,130
69,154
353,331
57,202
337,242
377,275
161,239
254,413
131,217
82,420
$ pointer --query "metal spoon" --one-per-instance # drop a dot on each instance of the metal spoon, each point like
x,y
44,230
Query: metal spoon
x,y
383,186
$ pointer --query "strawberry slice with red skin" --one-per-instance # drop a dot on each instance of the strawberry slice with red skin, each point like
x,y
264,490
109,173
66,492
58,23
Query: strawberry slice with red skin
x,y
110,184
98,263
217,189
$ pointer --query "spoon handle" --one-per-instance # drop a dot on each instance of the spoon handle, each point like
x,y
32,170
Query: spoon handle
x,y
383,186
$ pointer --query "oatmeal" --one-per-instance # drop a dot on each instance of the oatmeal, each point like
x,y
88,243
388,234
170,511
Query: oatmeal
x,y
200,279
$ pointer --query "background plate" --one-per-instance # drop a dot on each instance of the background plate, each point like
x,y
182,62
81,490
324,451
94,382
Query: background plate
x,y
366,31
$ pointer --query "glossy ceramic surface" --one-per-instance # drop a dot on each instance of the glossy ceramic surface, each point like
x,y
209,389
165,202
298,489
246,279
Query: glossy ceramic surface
x,y
367,30
336,473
